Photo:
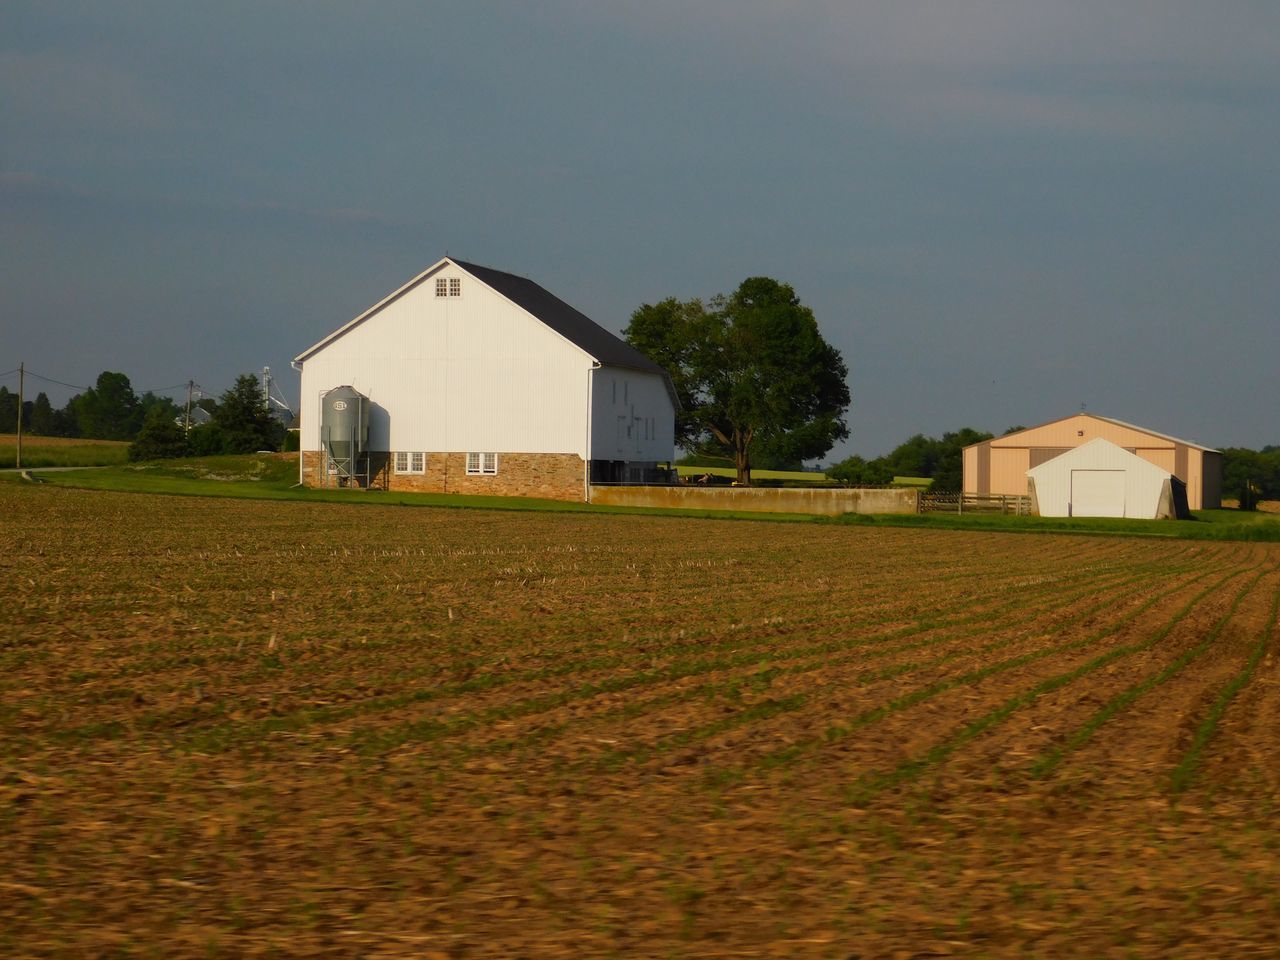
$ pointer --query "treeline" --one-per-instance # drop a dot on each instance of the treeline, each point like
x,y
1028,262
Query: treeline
x,y
1249,476
940,460
236,422
110,410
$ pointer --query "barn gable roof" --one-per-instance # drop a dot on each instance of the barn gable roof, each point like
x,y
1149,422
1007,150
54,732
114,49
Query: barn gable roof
x,y
580,330
574,326
1093,416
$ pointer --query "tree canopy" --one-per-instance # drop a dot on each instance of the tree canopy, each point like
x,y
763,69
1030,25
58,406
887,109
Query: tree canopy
x,y
9,411
941,460
756,380
160,437
242,420
1251,476
111,410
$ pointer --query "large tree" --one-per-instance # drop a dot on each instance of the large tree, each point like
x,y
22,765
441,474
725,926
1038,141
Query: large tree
x,y
242,419
675,334
160,437
109,410
754,376
1251,475
42,417
8,411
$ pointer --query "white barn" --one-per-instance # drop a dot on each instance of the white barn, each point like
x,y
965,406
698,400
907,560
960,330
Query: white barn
x,y
1101,479
480,381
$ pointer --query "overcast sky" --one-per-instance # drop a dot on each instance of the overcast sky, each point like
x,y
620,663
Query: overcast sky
x,y
998,210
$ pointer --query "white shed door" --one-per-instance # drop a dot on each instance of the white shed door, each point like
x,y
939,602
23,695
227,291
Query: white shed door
x,y
1097,493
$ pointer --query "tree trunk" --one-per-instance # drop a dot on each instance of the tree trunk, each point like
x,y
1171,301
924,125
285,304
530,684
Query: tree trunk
x,y
742,456
741,444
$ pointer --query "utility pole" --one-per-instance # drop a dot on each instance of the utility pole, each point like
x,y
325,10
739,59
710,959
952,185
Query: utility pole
x,y
22,380
191,384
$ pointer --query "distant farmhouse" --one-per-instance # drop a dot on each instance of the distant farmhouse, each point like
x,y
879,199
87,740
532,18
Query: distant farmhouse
x,y
471,380
1108,480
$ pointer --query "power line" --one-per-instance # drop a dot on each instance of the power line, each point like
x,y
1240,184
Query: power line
x,y
79,386
61,383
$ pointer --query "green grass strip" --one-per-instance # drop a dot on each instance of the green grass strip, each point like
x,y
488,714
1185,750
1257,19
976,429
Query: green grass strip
x,y
277,483
1046,764
1185,773
1210,526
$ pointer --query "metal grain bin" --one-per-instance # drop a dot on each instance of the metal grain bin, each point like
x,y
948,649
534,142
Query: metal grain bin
x,y
344,428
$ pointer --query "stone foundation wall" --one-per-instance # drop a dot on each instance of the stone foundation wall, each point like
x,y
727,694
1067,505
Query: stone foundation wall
x,y
379,471
554,476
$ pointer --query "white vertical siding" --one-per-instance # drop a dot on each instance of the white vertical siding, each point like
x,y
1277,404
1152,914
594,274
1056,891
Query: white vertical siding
x,y
473,372
632,417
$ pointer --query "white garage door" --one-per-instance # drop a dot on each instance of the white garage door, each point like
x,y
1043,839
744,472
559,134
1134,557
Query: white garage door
x,y
1097,493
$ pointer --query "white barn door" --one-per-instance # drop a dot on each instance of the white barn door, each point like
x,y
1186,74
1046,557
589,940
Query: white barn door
x,y
1097,493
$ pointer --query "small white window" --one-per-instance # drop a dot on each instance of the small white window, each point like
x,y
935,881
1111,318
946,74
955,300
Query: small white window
x,y
442,287
482,464
455,287
410,462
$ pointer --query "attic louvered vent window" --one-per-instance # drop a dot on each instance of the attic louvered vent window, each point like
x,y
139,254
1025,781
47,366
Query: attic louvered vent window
x,y
455,287
482,464
448,286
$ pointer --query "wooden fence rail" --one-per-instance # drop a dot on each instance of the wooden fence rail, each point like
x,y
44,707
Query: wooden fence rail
x,y
975,503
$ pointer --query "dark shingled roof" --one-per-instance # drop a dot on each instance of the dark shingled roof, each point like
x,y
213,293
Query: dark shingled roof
x,y
575,327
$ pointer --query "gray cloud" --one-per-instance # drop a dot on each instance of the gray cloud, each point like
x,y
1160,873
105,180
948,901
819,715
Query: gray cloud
x,y
90,91
997,209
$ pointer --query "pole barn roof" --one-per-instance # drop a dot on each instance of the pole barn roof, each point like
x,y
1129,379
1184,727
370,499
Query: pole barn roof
x,y
1014,438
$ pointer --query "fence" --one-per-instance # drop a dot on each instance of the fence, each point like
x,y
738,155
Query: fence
x,y
975,503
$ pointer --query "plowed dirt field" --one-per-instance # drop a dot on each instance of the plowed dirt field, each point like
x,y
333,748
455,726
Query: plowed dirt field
x,y
246,729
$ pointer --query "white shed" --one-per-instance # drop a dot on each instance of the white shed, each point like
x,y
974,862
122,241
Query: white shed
x,y
1100,479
